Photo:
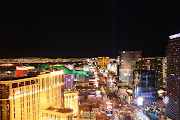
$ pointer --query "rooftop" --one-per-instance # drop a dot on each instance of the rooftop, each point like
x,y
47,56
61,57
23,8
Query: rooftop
x,y
17,78
61,110
29,75
70,92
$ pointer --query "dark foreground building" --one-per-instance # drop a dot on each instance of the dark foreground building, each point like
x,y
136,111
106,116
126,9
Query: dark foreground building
x,y
172,100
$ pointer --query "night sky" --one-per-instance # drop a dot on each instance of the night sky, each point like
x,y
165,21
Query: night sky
x,y
84,28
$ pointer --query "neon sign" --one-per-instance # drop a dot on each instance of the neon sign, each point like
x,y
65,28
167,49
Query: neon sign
x,y
109,106
109,109
56,73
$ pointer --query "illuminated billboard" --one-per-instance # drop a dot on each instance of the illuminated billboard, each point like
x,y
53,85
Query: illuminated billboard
x,y
109,113
17,93
109,109
21,71
140,100
147,95
56,73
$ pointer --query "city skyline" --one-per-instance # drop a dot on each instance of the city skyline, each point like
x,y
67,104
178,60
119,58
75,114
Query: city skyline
x,y
70,29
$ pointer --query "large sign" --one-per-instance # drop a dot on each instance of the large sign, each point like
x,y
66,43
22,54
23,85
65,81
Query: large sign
x,y
56,73
109,109
109,113
140,101
147,95
17,93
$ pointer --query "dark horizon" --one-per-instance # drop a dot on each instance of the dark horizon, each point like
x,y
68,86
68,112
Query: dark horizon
x,y
74,29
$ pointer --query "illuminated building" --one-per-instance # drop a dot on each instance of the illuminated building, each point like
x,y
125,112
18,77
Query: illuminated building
x,y
173,77
22,71
71,101
103,61
109,108
157,64
30,98
127,63
78,76
52,113
41,60
112,67
145,86
68,82
59,66
7,70
11,70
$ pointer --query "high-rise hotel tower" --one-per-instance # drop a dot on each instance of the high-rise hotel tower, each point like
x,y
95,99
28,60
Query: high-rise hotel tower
x,y
38,97
172,99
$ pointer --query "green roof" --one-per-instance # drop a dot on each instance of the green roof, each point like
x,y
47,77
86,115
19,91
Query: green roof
x,y
66,70
88,115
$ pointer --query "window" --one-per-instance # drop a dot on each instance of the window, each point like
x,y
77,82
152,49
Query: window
x,y
62,78
36,80
33,82
55,79
21,84
27,83
47,82
43,83
14,85
13,101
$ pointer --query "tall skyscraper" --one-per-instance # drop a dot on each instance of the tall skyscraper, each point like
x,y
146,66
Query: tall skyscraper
x,y
127,63
172,100
34,98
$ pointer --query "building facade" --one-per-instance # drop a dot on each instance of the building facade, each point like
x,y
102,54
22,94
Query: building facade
x,y
172,100
127,63
103,61
157,64
69,82
71,101
25,98
145,86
